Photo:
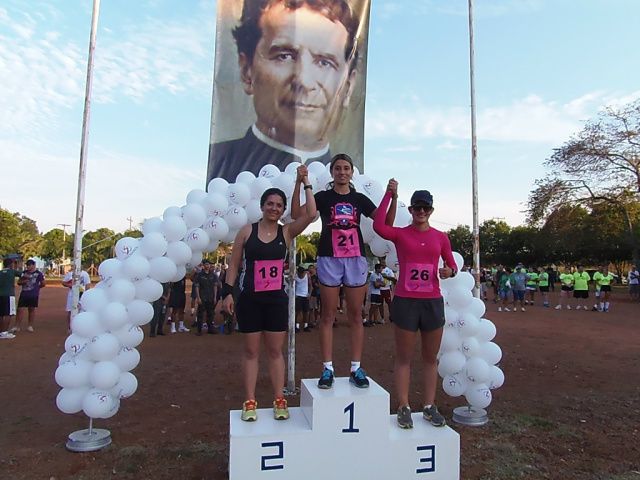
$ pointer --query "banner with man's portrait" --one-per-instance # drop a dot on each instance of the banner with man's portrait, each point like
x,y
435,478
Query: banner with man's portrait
x,y
289,83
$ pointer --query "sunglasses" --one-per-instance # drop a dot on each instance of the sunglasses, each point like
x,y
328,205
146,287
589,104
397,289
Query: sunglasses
x,y
419,208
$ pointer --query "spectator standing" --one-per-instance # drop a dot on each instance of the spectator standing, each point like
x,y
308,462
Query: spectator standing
x,y
314,300
84,283
159,312
543,284
581,281
597,275
389,281
177,302
566,281
206,286
605,288
376,282
8,277
32,280
519,288
497,277
531,285
634,283
303,294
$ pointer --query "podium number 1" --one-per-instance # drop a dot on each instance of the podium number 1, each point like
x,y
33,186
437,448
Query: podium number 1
x,y
350,408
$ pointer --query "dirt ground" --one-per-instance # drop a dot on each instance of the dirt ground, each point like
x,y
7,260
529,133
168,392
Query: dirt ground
x,y
569,409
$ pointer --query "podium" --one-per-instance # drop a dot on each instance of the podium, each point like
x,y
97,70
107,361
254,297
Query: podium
x,y
341,433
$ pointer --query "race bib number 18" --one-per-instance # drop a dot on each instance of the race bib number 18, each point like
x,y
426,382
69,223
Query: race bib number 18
x,y
267,275
419,277
345,243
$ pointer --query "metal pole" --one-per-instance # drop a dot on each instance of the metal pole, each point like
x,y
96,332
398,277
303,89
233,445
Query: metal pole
x,y
291,363
84,146
474,160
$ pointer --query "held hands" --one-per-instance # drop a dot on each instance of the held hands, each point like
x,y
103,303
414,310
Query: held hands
x,y
302,173
445,271
392,187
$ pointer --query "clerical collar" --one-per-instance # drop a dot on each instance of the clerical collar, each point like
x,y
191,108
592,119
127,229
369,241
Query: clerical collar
x,y
304,156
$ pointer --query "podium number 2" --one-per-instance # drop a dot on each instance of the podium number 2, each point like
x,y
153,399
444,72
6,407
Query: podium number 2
x,y
277,456
350,408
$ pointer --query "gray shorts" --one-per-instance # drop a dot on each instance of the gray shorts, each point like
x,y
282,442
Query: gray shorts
x,y
413,314
349,271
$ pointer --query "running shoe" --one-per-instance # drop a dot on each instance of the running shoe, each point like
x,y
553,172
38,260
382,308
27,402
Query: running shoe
x,y
499,309
30,329
326,380
594,309
182,328
359,378
506,309
13,330
578,307
404,417
249,413
434,416
6,335
568,307
280,410
522,309
558,307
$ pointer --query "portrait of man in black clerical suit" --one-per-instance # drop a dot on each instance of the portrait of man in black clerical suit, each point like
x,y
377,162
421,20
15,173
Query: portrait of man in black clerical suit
x,y
298,63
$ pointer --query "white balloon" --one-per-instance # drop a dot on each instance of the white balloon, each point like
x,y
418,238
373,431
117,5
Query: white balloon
x,y
292,168
379,246
174,228
253,210
403,216
218,185
212,247
235,217
476,307
490,353
215,204
193,215
450,340
197,239
316,168
392,261
196,195
73,374
109,270
140,311
496,378
374,190
94,300
459,297
229,237
466,280
269,171
69,400
196,258
486,331
96,403
104,346
135,268
477,370
153,244
65,357
113,409
478,396
126,246
77,346
151,225
162,269
179,252
450,316
126,386
104,375
127,359
470,346
129,336
122,290
324,180
148,290
258,187
467,325
172,212
114,315
181,271
454,385
239,194
216,228
245,177
286,183
459,260
366,227
86,324
451,362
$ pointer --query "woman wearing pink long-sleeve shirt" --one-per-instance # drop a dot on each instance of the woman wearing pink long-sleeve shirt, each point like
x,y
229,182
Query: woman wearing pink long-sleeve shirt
x,y
417,304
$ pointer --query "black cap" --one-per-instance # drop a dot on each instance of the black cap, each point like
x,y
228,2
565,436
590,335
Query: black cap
x,y
205,261
421,196
31,262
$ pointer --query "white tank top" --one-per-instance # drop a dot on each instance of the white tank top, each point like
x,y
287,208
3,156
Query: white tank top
x,y
302,286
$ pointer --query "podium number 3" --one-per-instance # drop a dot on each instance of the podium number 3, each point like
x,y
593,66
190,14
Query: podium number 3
x,y
350,408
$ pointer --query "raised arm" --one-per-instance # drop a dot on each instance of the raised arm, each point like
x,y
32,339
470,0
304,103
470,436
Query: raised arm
x,y
381,224
305,215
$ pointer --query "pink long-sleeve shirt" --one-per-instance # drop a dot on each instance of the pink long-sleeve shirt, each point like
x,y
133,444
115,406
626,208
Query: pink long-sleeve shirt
x,y
418,255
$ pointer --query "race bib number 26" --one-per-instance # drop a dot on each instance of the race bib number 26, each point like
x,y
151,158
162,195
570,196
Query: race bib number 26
x,y
419,277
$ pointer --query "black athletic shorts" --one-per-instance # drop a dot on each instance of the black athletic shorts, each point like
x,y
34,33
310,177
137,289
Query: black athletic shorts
x,y
262,315
302,304
177,300
581,294
28,302
413,314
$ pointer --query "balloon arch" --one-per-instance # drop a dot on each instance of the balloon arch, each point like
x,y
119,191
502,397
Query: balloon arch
x,y
100,353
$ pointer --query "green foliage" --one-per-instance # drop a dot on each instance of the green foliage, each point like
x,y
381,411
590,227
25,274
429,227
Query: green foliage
x,y
98,245
18,234
461,239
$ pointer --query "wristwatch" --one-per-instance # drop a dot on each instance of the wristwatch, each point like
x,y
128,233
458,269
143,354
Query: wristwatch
x,y
454,272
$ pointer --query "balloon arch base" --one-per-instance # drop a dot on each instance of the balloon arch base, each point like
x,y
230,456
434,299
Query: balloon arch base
x,y
89,439
470,416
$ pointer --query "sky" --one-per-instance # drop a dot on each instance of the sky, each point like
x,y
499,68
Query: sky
x,y
542,68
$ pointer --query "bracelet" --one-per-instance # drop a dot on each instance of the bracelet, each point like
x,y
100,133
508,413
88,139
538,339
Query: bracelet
x,y
226,290
394,197
310,187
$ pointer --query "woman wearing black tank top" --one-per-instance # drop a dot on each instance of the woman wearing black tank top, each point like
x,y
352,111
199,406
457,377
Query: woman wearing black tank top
x,y
259,250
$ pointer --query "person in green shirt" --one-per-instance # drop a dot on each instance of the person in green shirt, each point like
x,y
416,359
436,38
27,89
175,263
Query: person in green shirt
x,y
531,285
504,289
581,281
605,280
543,283
597,306
8,277
566,280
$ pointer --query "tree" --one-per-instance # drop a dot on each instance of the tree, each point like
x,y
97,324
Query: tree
x,y
19,234
493,234
305,249
97,246
54,242
9,232
461,239
598,166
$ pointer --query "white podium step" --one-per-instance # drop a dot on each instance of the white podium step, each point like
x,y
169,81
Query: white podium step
x,y
341,433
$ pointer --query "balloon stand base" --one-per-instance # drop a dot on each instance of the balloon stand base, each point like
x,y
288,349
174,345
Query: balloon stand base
x,y
470,416
288,392
88,440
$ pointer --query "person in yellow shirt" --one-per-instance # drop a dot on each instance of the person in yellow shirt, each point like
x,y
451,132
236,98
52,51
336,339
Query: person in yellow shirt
x,y
597,305
566,279
543,284
531,285
581,281
605,280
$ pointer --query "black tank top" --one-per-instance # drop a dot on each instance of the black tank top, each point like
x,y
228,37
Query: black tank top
x,y
262,264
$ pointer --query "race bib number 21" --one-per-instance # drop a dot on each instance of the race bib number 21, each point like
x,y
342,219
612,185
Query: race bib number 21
x,y
346,243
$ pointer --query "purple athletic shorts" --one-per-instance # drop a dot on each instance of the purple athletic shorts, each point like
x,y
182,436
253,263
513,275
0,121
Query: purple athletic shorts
x,y
348,271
